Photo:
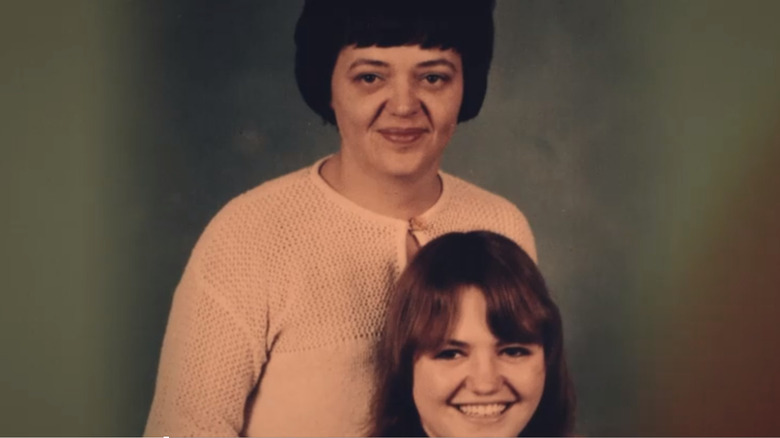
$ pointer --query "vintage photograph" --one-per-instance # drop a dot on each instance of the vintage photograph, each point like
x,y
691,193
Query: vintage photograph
x,y
407,218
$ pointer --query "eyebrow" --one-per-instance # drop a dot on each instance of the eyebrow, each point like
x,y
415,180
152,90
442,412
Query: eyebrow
x,y
438,62
525,343
424,64
456,343
499,344
364,61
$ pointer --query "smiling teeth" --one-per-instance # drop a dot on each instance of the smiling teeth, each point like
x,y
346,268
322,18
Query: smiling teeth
x,y
490,410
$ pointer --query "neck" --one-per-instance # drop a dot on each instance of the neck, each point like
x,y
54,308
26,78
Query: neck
x,y
402,197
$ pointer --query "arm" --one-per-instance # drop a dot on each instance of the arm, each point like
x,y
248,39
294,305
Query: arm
x,y
211,354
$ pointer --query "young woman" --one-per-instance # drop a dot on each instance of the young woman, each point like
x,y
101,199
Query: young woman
x,y
273,323
472,346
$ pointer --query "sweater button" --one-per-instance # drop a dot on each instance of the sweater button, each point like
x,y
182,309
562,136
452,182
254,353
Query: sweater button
x,y
416,224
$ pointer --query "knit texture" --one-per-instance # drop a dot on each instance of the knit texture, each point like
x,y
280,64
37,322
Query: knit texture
x,y
274,320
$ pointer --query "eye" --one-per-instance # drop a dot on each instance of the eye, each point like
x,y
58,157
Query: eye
x,y
434,78
368,78
516,351
448,354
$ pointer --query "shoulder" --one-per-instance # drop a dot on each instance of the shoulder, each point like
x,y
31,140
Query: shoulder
x,y
295,184
468,197
468,192
266,201
243,223
482,209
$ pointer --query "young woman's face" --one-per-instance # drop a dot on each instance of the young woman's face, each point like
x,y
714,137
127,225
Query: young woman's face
x,y
396,107
477,385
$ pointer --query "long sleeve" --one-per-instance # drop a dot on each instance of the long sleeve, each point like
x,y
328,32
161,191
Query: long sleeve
x,y
210,361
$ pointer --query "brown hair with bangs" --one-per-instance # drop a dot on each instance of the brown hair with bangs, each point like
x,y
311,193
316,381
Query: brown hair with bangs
x,y
422,310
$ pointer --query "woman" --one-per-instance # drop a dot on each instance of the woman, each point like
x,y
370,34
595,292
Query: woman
x,y
472,346
274,320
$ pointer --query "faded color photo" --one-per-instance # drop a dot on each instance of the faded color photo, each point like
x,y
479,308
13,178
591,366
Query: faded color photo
x,y
640,140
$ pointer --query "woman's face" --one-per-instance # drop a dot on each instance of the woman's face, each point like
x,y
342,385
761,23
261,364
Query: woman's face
x,y
396,108
477,385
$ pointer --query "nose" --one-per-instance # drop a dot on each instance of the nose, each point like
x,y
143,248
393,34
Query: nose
x,y
403,100
484,376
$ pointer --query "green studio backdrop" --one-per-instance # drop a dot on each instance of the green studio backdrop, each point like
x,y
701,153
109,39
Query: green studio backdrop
x,y
640,138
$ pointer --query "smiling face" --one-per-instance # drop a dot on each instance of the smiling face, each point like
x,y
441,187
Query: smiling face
x,y
475,384
396,108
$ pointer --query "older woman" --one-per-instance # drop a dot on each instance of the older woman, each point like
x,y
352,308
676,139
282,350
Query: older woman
x,y
274,320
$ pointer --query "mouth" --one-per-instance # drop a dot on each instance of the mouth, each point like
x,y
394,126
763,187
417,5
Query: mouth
x,y
402,135
483,410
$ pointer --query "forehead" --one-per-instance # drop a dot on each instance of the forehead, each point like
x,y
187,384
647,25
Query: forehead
x,y
477,321
471,318
398,56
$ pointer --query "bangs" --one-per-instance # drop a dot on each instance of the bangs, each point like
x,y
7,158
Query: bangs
x,y
517,315
518,307
430,24
513,316
389,31
433,320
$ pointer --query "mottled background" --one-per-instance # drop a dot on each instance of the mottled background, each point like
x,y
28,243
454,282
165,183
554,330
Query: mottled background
x,y
641,139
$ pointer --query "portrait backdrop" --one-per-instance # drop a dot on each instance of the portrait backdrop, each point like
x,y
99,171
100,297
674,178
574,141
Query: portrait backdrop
x,y
641,140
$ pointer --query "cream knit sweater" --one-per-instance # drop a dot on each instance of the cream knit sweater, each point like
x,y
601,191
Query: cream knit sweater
x,y
273,322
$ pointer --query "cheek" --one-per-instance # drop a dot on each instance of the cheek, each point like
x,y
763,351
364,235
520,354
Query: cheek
x,y
454,101
431,381
354,112
445,110
529,380
342,99
421,381
455,104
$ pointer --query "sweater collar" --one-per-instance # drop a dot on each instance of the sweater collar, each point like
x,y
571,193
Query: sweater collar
x,y
418,221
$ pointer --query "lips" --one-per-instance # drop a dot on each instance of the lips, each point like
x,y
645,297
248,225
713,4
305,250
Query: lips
x,y
402,135
483,410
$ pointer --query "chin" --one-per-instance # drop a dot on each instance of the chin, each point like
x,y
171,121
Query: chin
x,y
408,167
482,432
504,427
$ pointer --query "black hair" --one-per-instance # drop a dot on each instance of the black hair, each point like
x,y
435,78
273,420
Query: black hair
x,y
327,26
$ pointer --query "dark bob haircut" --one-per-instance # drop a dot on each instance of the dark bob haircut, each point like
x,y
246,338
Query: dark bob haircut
x,y
424,306
327,26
